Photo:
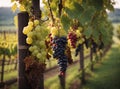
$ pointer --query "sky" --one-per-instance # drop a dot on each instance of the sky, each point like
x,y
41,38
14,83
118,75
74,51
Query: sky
x,y
7,3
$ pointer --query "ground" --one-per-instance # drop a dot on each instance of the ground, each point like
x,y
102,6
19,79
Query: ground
x,y
106,74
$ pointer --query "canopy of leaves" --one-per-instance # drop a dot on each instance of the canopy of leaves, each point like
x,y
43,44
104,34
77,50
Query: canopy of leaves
x,y
91,15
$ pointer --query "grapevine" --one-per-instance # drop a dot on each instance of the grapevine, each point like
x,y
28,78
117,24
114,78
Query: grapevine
x,y
77,28
71,25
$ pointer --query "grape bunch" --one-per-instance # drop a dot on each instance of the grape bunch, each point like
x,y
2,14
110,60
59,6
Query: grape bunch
x,y
86,42
68,54
72,39
101,46
94,46
78,49
36,38
59,47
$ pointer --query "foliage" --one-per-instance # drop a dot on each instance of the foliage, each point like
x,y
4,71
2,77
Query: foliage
x,y
87,19
118,31
8,47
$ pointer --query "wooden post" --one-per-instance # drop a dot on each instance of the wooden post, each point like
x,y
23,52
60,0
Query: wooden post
x,y
3,61
37,15
2,69
82,64
23,19
36,9
91,58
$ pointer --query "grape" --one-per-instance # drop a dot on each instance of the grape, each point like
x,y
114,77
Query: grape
x,y
39,55
59,47
94,46
43,53
78,49
75,25
35,52
86,42
30,23
80,29
35,47
54,31
42,44
29,27
73,39
80,41
30,34
78,33
36,36
37,28
29,40
36,22
31,48
101,46
25,30
68,54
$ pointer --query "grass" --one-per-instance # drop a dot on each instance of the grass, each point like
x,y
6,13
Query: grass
x,y
10,75
8,28
53,82
71,74
107,74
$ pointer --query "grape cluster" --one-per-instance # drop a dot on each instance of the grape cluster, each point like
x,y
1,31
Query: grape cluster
x,y
101,46
59,47
73,39
68,54
78,49
94,46
86,42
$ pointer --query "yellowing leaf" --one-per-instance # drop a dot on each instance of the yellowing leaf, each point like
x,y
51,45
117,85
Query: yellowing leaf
x,y
14,7
22,8
12,0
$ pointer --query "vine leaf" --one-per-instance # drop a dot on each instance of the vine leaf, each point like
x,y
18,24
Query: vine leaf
x,y
98,4
88,31
65,20
87,15
96,34
74,12
105,36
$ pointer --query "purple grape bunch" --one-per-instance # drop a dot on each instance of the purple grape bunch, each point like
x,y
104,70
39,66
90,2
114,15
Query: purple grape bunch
x,y
59,47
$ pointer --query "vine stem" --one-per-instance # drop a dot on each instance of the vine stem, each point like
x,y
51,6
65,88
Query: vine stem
x,y
36,9
60,6
52,17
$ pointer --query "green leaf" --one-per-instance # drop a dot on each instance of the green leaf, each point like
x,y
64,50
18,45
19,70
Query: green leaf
x,y
65,20
87,15
105,39
96,35
110,7
98,4
88,32
103,30
74,12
